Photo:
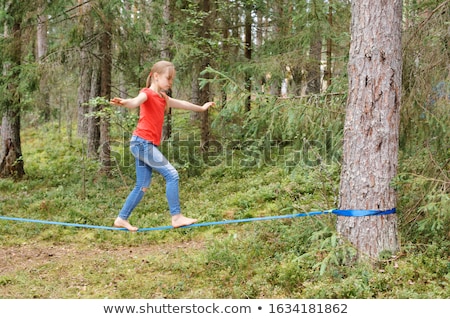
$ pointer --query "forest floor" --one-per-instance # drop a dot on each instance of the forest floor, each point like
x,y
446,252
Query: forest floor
x,y
30,256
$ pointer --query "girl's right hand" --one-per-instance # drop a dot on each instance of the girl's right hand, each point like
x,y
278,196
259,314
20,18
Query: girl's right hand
x,y
116,101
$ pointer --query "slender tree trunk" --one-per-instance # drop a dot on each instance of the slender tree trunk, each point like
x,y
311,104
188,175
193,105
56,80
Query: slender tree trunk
x,y
225,47
93,122
313,78
84,87
314,73
42,49
372,126
166,55
259,28
205,125
248,53
328,71
105,91
203,94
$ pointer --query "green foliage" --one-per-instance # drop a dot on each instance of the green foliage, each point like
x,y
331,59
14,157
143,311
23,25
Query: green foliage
x,y
424,181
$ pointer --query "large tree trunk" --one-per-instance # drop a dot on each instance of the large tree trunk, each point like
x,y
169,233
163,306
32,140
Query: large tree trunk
x,y
372,126
11,161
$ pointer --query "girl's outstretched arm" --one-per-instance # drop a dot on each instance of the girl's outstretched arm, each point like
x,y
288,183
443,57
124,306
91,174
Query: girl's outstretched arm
x,y
130,103
185,105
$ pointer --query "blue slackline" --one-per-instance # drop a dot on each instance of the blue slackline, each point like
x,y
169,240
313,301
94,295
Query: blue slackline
x,y
48,222
339,212
234,221
362,213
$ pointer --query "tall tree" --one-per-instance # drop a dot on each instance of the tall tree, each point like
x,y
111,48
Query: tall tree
x,y
85,28
92,121
11,162
166,54
248,50
372,126
202,59
328,71
95,69
205,92
105,42
315,51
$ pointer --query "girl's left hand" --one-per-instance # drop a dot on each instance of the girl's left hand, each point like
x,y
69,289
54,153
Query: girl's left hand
x,y
207,105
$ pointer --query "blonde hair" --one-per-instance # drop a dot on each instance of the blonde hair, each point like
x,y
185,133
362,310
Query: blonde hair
x,y
160,68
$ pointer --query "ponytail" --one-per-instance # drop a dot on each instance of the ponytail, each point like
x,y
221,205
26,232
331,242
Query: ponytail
x,y
148,83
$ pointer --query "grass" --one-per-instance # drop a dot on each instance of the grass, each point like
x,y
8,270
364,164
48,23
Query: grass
x,y
291,258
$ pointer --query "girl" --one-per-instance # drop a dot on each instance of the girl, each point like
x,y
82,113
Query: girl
x,y
146,138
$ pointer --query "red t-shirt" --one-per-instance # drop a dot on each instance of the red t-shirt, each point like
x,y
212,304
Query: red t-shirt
x,y
151,117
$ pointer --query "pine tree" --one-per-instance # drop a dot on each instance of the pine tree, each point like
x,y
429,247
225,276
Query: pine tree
x,y
372,126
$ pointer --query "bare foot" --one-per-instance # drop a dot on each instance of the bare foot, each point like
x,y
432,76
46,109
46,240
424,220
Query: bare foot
x,y
180,220
122,223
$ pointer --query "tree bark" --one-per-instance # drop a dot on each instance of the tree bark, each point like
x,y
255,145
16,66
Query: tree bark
x,y
372,126
11,161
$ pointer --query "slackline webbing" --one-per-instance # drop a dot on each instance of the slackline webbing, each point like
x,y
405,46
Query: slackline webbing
x,y
362,213
339,212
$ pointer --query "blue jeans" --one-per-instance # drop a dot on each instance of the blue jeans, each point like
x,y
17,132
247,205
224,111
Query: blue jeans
x,y
149,158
